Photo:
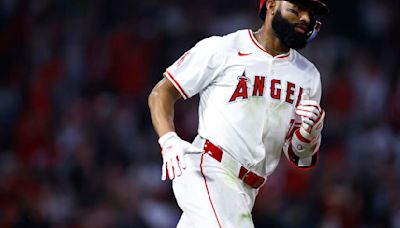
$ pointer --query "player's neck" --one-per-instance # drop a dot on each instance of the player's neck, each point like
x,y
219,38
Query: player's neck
x,y
271,43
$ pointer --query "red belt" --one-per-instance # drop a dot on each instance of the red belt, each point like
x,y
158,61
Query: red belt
x,y
245,175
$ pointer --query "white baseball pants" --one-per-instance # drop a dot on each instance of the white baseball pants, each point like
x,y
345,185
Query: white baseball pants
x,y
210,195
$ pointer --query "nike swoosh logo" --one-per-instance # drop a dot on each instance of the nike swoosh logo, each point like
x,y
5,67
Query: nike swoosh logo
x,y
243,54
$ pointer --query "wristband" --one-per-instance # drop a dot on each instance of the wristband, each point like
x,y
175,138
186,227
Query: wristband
x,y
165,137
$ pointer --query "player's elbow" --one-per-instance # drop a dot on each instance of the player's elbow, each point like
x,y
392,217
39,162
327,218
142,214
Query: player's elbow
x,y
163,94
153,96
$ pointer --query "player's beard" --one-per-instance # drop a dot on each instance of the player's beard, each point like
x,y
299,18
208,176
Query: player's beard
x,y
286,32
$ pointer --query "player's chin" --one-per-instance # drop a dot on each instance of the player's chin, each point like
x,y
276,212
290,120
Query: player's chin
x,y
296,42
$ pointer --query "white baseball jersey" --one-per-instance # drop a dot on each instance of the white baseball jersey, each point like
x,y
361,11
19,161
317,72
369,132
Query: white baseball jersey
x,y
247,97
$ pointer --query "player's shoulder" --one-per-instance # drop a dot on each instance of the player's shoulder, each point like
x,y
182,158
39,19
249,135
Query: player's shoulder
x,y
305,64
212,41
222,42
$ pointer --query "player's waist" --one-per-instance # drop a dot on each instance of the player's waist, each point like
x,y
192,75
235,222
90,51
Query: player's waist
x,y
248,176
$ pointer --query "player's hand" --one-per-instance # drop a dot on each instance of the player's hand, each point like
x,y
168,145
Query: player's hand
x,y
312,118
173,151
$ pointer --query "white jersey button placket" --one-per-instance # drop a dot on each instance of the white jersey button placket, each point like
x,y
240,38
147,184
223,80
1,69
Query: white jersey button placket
x,y
271,68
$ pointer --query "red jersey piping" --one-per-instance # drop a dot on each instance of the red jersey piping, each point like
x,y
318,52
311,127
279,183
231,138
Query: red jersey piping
x,y
208,191
176,84
262,48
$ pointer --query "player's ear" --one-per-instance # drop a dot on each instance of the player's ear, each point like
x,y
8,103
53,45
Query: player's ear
x,y
271,6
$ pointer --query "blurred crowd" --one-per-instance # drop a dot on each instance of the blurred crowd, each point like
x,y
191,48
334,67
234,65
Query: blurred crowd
x,y
77,148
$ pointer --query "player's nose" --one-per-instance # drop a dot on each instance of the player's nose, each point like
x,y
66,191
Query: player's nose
x,y
304,17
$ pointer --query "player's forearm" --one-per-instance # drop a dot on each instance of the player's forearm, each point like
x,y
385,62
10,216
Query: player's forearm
x,y
162,112
161,103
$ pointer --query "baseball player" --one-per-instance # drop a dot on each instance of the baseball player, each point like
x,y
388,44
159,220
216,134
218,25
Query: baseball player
x,y
258,97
